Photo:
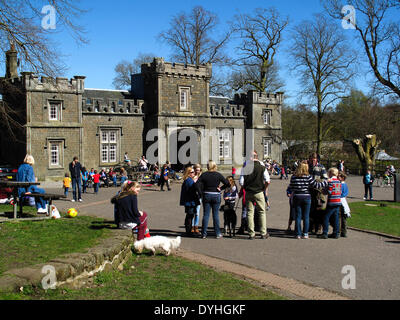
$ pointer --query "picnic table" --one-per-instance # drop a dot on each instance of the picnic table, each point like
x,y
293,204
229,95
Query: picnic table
x,y
18,200
15,185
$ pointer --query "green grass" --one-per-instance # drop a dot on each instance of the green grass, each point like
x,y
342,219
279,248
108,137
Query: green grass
x,y
379,218
157,278
25,243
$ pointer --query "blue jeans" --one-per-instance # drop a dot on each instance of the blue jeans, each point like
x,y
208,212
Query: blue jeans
x,y
75,183
96,187
40,202
302,209
197,216
211,202
331,210
368,188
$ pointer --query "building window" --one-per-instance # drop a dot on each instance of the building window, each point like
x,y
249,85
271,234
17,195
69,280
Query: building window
x,y
225,144
97,107
267,116
55,153
54,111
88,101
267,143
184,95
109,146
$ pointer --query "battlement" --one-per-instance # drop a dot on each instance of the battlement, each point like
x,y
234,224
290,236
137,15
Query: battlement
x,y
112,106
264,98
227,110
31,82
159,66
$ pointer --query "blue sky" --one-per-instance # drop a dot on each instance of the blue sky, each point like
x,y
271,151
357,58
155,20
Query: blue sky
x,y
121,29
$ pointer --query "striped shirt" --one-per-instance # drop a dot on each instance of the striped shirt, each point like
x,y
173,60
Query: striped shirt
x,y
301,185
334,192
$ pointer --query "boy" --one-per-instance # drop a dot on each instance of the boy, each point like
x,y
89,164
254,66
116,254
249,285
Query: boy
x,y
66,184
96,181
344,208
334,203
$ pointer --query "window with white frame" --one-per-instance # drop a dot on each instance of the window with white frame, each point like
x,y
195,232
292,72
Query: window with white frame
x,y
55,153
54,110
267,144
267,113
109,146
225,144
184,95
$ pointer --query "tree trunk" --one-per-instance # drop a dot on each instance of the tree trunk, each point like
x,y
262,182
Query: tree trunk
x,y
366,150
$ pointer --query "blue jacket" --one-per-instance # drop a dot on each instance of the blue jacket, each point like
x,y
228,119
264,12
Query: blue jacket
x,y
25,174
189,197
345,190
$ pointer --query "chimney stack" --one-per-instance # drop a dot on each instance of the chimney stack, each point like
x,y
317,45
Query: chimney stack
x,y
11,63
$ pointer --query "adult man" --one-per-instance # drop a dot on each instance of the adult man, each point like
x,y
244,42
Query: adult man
x,y
75,168
255,179
317,171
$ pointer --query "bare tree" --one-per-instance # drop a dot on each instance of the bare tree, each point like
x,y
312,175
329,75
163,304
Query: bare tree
x,y
124,69
192,38
21,25
324,62
260,34
379,33
22,31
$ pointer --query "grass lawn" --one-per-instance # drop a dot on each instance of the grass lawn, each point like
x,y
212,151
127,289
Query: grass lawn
x,y
370,215
157,278
24,243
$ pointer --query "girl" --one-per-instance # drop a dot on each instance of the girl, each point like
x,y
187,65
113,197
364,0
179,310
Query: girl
x,y
66,183
196,219
127,212
164,177
189,198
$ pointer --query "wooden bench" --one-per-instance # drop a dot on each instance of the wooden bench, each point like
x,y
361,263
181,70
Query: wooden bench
x,y
46,196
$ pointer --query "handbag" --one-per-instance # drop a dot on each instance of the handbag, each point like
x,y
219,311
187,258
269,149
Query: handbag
x,y
30,201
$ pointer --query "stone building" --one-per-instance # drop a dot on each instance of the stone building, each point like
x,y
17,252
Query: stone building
x,y
167,115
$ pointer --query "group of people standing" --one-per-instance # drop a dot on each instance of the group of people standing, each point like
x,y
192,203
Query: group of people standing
x,y
205,189
306,190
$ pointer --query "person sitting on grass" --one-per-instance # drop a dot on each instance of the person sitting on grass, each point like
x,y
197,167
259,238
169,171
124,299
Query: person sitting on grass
x,y
127,214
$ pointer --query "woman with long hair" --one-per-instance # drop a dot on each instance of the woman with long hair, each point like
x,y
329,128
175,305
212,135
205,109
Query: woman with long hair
x,y
300,184
189,199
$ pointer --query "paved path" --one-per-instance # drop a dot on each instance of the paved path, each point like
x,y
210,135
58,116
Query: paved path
x,y
314,261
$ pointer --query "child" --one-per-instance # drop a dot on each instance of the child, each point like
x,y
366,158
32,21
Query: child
x,y
292,212
96,181
243,226
267,205
344,208
368,180
233,172
66,184
334,203
85,178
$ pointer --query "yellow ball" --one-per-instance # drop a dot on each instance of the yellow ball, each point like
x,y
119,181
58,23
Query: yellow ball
x,y
72,213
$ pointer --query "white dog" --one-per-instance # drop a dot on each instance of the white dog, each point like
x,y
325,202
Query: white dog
x,y
158,242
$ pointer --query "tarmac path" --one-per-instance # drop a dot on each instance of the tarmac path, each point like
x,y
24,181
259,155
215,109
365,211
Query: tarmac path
x,y
318,262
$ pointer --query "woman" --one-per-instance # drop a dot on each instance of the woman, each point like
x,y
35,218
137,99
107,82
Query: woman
x,y
26,174
124,176
196,219
189,199
127,214
300,185
209,186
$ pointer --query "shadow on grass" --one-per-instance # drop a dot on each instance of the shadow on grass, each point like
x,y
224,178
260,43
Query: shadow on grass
x,y
106,224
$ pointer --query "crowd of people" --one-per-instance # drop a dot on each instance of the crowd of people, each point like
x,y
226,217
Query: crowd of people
x,y
317,197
